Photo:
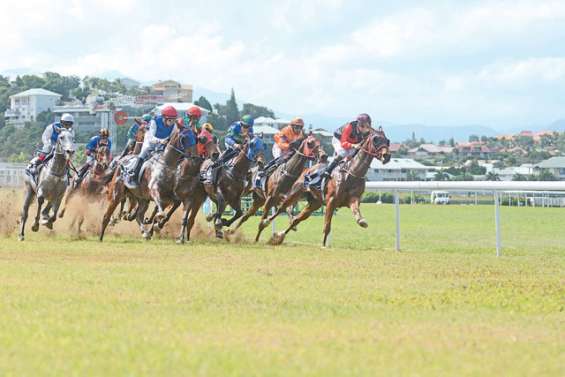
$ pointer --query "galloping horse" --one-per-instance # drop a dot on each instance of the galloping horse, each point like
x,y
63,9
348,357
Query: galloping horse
x,y
95,181
190,191
232,183
51,185
279,183
343,189
155,171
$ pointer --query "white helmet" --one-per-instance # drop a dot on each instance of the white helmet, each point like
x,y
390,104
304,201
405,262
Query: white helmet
x,y
67,118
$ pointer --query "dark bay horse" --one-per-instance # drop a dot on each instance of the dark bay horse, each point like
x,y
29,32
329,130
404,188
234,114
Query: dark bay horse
x,y
156,178
232,183
344,188
51,185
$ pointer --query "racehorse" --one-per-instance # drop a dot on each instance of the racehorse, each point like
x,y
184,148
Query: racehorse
x,y
190,191
343,189
93,185
280,181
231,183
154,173
52,182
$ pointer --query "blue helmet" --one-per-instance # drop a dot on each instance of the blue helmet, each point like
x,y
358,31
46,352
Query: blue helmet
x,y
247,120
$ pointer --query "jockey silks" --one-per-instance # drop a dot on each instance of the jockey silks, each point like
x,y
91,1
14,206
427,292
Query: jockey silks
x,y
348,134
94,143
234,135
159,129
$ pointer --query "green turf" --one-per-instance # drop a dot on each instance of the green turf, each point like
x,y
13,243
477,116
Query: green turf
x,y
444,306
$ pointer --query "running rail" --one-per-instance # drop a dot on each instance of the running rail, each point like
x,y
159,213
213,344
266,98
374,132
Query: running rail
x,y
495,187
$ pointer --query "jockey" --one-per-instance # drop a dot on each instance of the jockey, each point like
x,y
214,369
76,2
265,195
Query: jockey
x,y
103,138
193,116
49,139
132,132
347,140
205,136
285,140
235,136
160,129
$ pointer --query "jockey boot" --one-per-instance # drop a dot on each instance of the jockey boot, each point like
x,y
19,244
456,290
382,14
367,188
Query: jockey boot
x,y
80,175
134,177
328,170
215,175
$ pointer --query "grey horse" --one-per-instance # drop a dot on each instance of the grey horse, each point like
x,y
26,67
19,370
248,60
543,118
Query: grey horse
x,y
51,185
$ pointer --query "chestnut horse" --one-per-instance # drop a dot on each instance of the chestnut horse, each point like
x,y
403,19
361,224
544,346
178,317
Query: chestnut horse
x,y
279,183
343,189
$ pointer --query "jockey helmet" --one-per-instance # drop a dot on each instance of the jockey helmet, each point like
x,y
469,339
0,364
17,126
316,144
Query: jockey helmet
x,y
247,121
208,127
146,117
104,132
364,118
297,123
195,112
169,112
67,120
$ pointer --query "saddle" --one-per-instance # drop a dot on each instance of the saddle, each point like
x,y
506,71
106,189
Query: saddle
x,y
127,170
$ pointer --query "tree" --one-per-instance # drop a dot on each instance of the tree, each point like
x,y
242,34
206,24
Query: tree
x,y
545,175
519,177
484,139
231,109
257,111
452,142
441,176
473,138
204,103
492,176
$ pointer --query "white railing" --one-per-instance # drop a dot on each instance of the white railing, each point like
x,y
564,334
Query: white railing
x,y
496,188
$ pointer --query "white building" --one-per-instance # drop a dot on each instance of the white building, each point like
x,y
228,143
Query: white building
x,y
398,169
25,106
270,122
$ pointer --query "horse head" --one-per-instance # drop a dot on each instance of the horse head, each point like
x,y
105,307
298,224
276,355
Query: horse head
x,y
65,144
310,147
378,145
102,158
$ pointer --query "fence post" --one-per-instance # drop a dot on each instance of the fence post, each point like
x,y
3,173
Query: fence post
x,y
497,221
397,210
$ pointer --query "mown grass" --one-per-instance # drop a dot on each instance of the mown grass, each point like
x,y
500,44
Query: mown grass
x,y
445,305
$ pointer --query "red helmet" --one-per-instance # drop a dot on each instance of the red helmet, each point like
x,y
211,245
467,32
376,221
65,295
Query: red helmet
x,y
169,112
194,112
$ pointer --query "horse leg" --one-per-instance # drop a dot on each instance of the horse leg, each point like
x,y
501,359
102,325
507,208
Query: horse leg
x,y
45,213
328,216
182,235
195,207
264,222
151,218
35,226
236,205
166,219
29,195
55,206
312,206
354,205
141,209
220,208
258,201
108,215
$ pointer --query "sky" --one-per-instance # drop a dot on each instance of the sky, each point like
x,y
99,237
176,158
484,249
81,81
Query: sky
x,y
494,63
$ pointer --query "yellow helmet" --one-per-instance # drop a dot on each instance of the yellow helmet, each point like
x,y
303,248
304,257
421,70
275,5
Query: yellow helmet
x,y
208,127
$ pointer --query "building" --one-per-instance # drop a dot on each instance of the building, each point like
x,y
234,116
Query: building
x,y
172,91
427,150
12,175
554,165
398,169
270,122
508,174
474,149
88,120
25,106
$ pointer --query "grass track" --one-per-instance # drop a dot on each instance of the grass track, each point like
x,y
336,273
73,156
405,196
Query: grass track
x,y
444,306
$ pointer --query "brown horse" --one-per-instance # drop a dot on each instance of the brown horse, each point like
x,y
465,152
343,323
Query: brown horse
x,y
343,189
280,182
94,183
157,170
232,183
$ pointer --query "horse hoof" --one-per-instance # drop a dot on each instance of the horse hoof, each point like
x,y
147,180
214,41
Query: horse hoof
x,y
49,225
20,238
61,214
180,241
363,223
229,231
35,227
209,217
219,235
